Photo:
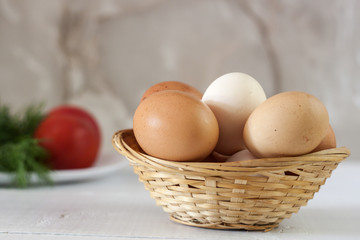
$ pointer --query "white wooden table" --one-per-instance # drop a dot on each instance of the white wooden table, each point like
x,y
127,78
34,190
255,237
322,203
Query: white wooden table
x,y
118,207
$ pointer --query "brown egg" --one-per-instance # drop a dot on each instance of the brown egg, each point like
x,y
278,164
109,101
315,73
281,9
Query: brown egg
x,y
171,85
218,157
287,124
175,125
328,142
210,158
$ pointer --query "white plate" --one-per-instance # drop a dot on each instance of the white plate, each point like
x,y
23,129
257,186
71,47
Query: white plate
x,y
104,166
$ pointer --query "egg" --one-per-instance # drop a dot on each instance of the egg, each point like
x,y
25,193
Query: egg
x,y
211,158
171,85
217,157
241,156
286,124
232,97
329,141
175,125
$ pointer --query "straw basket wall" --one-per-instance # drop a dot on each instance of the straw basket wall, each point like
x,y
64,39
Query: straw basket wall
x,y
250,195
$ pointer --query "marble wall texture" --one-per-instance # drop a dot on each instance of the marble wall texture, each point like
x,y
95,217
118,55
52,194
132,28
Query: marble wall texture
x,y
103,54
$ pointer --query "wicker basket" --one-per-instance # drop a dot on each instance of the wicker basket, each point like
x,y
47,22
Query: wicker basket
x,y
229,195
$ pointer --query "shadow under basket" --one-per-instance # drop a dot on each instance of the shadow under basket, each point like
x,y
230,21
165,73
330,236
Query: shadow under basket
x,y
250,195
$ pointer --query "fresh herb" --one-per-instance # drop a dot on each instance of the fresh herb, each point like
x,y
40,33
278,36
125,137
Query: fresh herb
x,y
20,153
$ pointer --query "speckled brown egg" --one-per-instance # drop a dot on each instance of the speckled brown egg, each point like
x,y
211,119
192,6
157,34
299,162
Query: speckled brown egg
x,y
329,141
287,124
171,85
175,125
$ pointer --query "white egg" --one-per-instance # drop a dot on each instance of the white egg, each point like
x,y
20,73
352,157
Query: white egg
x,y
241,156
232,97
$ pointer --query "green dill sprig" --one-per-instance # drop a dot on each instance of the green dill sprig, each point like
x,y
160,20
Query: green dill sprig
x,y
15,126
20,153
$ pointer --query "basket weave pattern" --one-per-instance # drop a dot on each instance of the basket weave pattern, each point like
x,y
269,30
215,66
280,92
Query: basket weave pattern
x,y
250,195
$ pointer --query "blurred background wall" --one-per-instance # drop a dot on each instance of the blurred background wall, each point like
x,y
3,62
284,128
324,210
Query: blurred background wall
x,y
103,54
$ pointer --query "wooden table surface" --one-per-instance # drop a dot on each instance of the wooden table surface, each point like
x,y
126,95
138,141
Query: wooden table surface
x,y
118,207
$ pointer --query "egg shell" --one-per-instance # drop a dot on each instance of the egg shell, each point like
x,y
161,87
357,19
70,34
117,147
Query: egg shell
x,y
219,157
329,141
175,125
171,85
211,158
241,156
287,124
232,97
244,158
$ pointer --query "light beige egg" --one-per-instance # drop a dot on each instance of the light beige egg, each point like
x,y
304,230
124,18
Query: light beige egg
x,y
287,124
175,125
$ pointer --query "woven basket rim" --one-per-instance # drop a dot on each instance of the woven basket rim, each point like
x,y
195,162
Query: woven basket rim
x,y
120,143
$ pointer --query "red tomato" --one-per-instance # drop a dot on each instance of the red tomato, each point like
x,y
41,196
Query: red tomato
x,y
78,112
71,136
